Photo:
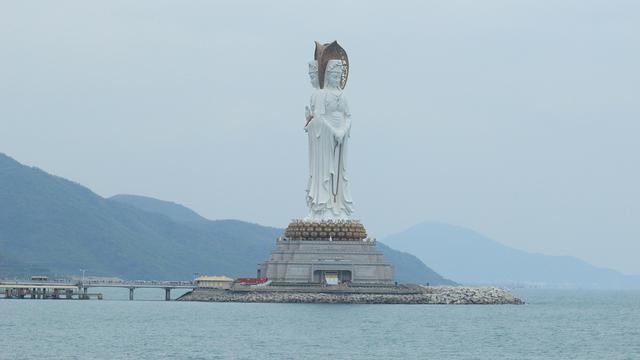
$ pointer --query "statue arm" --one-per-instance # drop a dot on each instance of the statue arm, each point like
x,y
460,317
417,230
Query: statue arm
x,y
347,116
308,116
309,111
347,111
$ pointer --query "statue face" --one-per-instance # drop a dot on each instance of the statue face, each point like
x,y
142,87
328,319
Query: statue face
x,y
333,78
313,74
313,77
334,73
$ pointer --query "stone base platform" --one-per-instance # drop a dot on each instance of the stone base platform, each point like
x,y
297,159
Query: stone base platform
x,y
402,294
326,262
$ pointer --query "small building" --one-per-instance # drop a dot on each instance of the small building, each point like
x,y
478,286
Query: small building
x,y
213,282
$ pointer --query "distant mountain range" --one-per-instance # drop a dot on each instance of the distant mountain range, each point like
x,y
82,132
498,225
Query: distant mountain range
x,y
471,258
52,225
407,267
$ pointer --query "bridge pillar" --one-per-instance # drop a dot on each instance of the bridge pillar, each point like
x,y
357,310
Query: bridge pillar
x,y
131,293
33,293
167,294
84,293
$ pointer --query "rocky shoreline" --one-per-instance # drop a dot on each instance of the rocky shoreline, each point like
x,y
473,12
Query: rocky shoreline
x,y
410,294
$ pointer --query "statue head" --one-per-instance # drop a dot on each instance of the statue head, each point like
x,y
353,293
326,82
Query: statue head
x,y
313,74
325,53
333,75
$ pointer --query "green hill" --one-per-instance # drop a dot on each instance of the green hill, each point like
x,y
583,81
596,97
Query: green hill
x,y
52,225
407,267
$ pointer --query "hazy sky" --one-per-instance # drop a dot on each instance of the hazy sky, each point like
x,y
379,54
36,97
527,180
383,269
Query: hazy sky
x,y
519,119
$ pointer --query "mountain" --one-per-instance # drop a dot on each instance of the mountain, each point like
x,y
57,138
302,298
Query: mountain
x,y
47,222
52,225
408,268
471,258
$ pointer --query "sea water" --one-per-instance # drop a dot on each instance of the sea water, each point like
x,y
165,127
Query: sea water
x,y
554,324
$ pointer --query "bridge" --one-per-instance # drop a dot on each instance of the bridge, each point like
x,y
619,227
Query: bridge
x,y
57,289
134,284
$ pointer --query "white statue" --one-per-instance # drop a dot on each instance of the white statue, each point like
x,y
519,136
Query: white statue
x,y
328,126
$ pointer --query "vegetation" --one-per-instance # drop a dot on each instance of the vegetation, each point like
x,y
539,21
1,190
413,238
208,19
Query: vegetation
x,y
51,225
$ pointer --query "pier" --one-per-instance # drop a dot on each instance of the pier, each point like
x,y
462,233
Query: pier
x,y
29,289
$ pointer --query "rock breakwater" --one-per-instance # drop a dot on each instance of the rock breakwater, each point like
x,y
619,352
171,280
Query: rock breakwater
x,y
419,295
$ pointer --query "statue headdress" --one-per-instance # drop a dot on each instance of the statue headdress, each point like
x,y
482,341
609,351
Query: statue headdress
x,y
331,51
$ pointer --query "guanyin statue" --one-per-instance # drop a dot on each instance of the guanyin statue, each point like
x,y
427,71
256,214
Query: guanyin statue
x,y
328,124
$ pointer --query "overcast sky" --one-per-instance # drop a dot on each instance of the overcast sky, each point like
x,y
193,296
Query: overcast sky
x,y
519,119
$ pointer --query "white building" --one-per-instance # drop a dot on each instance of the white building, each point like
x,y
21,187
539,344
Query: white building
x,y
213,282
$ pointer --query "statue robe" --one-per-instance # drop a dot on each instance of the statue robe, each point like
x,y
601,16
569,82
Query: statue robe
x,y
328,191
